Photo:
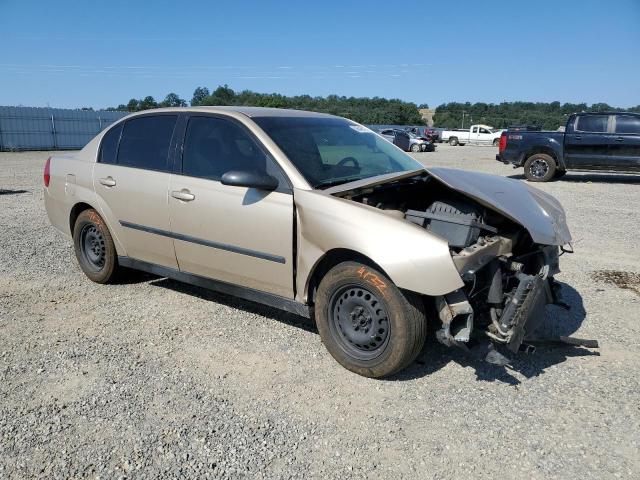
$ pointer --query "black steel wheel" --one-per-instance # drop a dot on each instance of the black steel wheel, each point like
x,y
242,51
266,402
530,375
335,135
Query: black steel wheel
x,y
359,321
368,325
94,247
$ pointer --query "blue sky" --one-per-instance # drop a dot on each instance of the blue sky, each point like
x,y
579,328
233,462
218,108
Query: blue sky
x,y
67,53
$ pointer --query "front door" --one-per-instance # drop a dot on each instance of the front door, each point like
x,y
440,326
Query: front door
x,y
131,181
624,144
485,136
238,235
586,142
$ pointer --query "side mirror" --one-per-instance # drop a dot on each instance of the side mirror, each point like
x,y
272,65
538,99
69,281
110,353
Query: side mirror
x,y
250,179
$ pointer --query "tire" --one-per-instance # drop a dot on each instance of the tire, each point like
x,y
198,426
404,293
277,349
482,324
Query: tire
x,y
453,141
540,167
94,247
368,325
496,142
415,148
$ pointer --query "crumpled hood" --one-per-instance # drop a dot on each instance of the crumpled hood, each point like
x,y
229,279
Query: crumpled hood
x,y
540,213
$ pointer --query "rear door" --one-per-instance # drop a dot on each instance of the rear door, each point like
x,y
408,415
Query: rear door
x,y
624,144
131,181
473,136
587,142
239,235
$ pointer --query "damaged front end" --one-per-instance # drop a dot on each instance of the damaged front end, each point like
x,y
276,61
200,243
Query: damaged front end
x,y
504,295
505,239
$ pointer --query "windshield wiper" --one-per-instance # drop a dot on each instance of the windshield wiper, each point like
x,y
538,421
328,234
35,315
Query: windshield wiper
x,y
336,181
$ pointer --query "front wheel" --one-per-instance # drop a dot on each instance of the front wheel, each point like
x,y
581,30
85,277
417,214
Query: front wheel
x,y
368,325
415,148
94,247
539,167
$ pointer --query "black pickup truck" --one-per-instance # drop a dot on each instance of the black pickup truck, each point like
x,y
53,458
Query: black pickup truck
x,y
591,141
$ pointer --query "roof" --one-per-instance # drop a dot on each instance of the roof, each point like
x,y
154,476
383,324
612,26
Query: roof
x,y
248,111
607,113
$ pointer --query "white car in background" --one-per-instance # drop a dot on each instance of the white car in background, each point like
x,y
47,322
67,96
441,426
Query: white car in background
x,y
475,135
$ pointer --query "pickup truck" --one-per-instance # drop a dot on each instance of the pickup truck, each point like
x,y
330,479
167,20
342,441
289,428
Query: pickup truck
x,y
476,135
591,141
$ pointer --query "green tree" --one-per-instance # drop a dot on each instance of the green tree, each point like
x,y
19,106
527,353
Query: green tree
x,y
199,94
173,100
133,105
147,103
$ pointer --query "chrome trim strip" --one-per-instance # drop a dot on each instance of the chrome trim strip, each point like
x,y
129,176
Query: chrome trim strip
x,y
206,243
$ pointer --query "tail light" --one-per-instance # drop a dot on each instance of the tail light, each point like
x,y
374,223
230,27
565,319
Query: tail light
x,y
503,142
47,172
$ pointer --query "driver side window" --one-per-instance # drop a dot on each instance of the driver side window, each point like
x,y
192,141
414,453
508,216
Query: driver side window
x,y
213,146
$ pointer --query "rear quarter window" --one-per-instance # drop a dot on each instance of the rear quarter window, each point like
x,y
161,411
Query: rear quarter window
x,y
109,145
145,142
592,123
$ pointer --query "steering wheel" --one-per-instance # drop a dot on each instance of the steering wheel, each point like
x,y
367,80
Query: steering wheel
x,y
344,161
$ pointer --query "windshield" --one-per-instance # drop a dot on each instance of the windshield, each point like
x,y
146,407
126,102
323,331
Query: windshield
x,y
329,151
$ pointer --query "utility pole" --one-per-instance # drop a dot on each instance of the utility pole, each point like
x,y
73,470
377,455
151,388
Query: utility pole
x,y
463,113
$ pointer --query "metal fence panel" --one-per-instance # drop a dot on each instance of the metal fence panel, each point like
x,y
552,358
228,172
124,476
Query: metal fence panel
x,y
28,128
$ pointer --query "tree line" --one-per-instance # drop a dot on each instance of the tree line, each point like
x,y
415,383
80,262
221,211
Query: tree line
x,y
360,109
382,111
549,116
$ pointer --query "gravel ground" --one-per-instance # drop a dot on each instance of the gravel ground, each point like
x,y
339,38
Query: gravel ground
x,y
154,379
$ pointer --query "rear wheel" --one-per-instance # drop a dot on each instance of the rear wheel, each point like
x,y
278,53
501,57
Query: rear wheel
x,y
496,142
368,325
94,247
453,141
539,167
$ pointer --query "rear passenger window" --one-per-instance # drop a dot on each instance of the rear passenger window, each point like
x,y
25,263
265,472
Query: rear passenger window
x,y
145,142
214,146
628,124
592,123
109,145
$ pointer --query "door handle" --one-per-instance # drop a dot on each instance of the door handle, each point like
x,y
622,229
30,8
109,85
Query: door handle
x,y
619,139
577,137
108,182
184,195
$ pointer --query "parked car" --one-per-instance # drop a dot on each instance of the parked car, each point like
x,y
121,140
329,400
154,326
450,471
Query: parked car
x,y
426,146
404,140
315,215
427,133
591,141
476,135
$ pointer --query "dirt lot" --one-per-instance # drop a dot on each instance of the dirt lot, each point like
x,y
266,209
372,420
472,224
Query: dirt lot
x,y
152,378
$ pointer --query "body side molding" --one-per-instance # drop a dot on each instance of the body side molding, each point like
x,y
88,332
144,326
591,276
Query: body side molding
x,y
206,243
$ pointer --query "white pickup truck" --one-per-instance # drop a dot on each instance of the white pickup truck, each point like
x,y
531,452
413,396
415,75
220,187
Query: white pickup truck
x,y
476,135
